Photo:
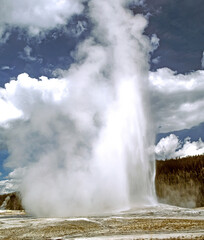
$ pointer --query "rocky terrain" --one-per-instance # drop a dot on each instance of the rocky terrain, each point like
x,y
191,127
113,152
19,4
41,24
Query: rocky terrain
x,y
159,222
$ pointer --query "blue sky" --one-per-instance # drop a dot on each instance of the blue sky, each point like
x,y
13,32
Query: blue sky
x,y
178,25
45,47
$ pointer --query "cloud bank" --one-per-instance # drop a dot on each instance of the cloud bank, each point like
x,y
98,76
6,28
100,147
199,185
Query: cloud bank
x,y
36,16
171,147
177,99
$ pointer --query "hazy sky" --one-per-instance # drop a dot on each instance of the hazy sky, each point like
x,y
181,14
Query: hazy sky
x,y
39,38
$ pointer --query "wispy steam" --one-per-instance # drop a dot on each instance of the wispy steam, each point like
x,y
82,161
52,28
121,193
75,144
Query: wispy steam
x,y
85,140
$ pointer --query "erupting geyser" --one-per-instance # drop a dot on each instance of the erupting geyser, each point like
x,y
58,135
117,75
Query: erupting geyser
x,y
84,141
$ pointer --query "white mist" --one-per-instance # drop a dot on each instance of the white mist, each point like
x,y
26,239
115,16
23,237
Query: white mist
x,y
85,140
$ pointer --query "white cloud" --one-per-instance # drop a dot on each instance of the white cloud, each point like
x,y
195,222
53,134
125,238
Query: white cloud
x,y
17,102
27,54
80,27
177,99
7,186
4,36
202,61
154,42
191,148
6,68
8,111
17,174
12,181
36,15
167,147
156,60
171,147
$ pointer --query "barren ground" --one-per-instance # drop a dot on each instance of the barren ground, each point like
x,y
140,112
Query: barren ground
x,y
160,222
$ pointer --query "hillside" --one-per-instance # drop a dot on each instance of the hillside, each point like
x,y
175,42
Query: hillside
x,y
178,182
10,201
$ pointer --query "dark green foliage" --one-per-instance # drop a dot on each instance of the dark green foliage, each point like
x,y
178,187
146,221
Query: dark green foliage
x,y
11,201
181,181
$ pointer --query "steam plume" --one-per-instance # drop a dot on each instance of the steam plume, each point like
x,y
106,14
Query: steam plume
x,y
84,140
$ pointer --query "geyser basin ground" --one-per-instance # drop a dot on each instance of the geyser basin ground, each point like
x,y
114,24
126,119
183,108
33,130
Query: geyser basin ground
x,y
159,222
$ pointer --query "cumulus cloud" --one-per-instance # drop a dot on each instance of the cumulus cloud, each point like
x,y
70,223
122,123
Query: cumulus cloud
x,y
172,147
177,99
15,93
12,181
36,16
167,147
